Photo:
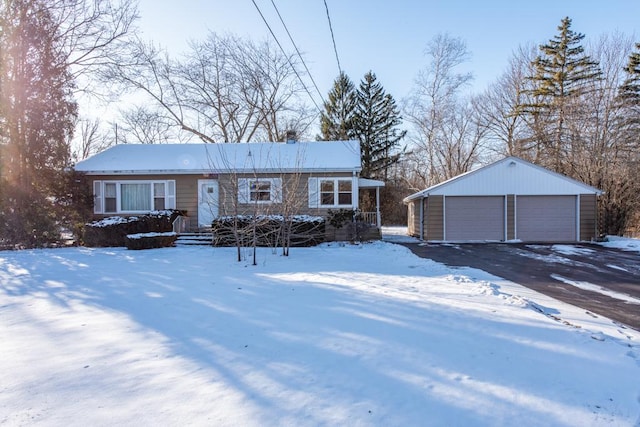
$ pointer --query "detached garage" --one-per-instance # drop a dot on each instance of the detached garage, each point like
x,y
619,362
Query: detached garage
x,y
511,199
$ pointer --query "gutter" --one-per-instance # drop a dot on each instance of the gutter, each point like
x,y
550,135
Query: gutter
x,y
219,172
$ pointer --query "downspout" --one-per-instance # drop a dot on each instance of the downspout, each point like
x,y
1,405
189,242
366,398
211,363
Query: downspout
x,y
355,191
422,218
578,218
378,217
506,219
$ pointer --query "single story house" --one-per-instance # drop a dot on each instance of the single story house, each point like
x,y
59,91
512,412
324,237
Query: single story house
x,y
511,199
211,180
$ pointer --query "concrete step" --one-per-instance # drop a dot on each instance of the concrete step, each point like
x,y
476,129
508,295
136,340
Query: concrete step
x,y
194,239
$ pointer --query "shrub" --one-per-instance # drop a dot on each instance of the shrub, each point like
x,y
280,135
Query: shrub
x,y
27,218
150,240
270,230
112,231
338,218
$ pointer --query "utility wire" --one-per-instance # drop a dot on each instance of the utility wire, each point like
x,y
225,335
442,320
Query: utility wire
x,y
333,39
298,51
287,56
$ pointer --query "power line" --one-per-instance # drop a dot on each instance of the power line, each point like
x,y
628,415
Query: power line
x,y
333,39
286,56
298,51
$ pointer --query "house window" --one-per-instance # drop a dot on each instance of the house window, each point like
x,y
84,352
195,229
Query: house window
x,y
133,196
336,192
260,190
327,193
344,192
110,205
159,196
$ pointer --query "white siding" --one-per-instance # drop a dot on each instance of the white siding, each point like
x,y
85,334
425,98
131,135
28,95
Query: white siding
x,y
510,176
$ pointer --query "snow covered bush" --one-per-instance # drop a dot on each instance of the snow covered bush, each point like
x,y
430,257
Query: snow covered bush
x,y
268,230
112,231
150,240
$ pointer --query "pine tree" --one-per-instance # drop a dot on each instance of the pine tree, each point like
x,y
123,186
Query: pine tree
x,y
336,122
37,114
375,125
563,74
629,98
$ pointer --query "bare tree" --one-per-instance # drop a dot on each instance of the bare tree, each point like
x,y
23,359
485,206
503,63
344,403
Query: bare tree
x,y
434,109
90,138
225,89
93,34
602,155
144,125
507,132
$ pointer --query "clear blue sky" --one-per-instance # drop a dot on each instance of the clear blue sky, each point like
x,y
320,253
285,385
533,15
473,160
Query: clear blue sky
x,y
389,36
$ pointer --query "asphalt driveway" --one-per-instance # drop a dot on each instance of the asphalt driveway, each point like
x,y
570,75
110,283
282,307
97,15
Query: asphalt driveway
x,y
601,280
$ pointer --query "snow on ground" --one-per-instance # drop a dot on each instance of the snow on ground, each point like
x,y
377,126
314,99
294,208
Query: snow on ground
x,y
397,234
599,289
363,335
623,243
572,250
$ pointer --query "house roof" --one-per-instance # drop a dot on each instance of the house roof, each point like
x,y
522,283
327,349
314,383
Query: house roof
x,y
510,175
264,157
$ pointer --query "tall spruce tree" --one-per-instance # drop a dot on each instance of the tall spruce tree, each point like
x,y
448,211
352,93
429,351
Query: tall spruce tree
x,y
375,126
336,121
37,117
629,98
563,74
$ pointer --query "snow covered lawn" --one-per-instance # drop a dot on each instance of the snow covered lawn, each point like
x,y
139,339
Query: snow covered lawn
x,y
333,335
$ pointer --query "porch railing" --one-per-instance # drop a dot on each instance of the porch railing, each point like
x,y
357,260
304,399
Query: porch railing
x,y
369,218
180,224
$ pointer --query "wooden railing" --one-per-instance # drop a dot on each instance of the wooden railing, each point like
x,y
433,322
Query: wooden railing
x,y
369,218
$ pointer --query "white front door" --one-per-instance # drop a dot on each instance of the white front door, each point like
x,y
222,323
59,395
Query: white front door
x,y
207,201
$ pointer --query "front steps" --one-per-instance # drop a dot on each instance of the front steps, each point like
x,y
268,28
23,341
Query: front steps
x,y
205,237
198,238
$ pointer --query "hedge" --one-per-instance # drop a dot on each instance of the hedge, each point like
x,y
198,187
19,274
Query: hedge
x,y
270,230
150,240
112,231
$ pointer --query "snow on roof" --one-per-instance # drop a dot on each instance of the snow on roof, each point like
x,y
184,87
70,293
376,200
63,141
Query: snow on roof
x,y
325,156
510,175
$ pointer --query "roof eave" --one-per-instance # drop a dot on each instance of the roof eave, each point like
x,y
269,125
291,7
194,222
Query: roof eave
x,y
214,171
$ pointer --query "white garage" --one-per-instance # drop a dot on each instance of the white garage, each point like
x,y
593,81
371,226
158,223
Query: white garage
x,y
511,199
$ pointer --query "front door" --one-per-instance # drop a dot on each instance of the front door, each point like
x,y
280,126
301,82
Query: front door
x,y
207,201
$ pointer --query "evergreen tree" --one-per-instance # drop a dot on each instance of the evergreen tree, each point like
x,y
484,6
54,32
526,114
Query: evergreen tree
x,y
375,125
563,74
336,121
37,114
629,97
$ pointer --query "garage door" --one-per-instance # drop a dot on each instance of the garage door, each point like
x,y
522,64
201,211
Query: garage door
x,y
474,218
546,218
